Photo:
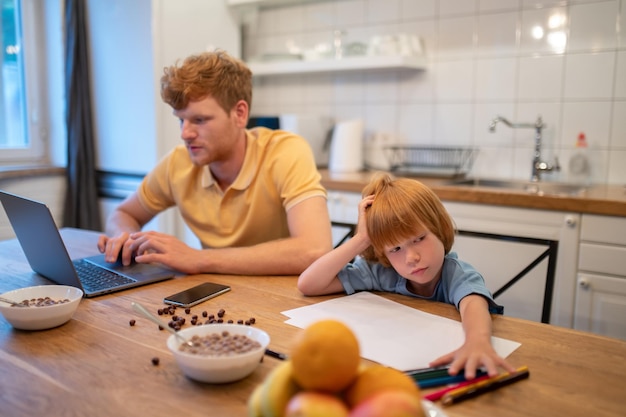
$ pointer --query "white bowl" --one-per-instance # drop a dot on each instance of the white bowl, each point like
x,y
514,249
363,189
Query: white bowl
x,y
40,318
219,369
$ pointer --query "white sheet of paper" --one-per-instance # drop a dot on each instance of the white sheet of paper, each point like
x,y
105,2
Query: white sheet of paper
x,y
391,333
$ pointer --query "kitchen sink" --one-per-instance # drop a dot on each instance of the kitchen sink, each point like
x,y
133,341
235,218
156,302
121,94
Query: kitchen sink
x,y
537,188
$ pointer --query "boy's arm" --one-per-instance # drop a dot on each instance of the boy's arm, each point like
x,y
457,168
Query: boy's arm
x,y
477,327
476,350
321,276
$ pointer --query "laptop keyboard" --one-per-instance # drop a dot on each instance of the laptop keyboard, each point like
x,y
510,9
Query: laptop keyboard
x,y
93,278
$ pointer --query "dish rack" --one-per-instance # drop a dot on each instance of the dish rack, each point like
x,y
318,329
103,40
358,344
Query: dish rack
x,y
439,161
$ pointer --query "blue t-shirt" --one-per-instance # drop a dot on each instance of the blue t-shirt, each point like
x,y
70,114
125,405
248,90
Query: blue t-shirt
x,y
458,280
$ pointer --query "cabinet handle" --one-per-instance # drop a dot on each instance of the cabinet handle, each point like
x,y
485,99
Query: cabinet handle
x,y
584,283
570,221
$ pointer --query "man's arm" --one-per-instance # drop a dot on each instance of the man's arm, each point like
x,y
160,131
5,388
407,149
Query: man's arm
x,y
129,217
311,237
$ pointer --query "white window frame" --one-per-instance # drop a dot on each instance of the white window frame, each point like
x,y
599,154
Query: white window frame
x,y
34,50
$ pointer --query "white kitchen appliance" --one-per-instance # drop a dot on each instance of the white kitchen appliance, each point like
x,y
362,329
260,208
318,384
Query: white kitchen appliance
x,y
315,129
346,146
375,151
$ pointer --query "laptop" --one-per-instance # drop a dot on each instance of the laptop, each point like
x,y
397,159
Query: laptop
x,y
47,255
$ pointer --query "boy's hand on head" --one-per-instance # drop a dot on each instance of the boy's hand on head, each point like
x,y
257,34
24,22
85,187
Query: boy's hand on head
x,y
364,204
367,200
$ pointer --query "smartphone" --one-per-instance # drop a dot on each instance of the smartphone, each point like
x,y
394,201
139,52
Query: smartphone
x,y
197,294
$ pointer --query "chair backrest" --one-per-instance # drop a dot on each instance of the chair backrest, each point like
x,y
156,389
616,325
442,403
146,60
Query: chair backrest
x,y
342,232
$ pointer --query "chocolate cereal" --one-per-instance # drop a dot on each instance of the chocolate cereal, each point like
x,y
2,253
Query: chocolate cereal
x,y
41,302
220,344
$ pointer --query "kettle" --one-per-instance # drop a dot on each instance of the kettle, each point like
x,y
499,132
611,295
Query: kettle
x,y
346,147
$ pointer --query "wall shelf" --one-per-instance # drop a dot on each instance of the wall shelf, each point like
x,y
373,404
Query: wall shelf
x,y
266,3
357,63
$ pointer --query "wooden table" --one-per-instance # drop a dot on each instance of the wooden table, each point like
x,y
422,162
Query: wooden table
x,y
99,365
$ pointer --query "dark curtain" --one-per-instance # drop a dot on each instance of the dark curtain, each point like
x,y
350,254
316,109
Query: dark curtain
x,y
81,201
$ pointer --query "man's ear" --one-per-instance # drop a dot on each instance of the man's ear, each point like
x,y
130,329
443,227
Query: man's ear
x,y
240,113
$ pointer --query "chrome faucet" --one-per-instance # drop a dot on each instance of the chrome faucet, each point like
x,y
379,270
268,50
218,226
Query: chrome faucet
x,y
539,166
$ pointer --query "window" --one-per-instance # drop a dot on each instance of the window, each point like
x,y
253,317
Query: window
x,y
22,103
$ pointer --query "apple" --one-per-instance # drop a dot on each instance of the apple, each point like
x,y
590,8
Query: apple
x,y
315,404
390,403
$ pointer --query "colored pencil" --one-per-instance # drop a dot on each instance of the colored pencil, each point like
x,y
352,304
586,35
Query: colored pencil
x,y
445,380
437,371
438,376
478,388
434,396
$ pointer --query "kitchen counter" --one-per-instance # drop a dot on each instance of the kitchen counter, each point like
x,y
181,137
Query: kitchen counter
x,y
597,199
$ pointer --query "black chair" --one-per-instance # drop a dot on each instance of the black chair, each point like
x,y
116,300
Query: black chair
x,y
348,230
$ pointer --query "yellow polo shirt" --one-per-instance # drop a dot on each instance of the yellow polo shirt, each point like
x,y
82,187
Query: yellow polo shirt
x,y
278,172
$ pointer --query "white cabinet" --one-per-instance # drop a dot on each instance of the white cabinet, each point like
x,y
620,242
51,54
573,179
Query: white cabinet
x,y
502,260
601,305
527,257
601,294
343,208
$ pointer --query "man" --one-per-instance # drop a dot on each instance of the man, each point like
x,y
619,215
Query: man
x,y
253,197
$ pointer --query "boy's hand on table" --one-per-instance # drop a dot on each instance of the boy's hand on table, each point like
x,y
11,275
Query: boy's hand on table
x,y
470,357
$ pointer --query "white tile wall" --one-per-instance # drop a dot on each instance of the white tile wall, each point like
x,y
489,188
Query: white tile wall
x,y
541,29
618,128
592,26
540,77
563,60
620,74
589,75
497,34
454,7
455,37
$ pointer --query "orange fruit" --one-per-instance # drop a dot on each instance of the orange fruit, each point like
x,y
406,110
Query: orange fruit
x,y
377,378
325,357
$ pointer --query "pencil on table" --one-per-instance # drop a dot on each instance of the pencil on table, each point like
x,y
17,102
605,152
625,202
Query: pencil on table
x,y
473,390
434,396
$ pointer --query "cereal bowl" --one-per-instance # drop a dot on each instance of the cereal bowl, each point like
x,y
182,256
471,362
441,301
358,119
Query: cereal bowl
x,y
220,367
41,317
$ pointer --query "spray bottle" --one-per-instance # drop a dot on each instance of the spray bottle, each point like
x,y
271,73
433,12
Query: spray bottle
x,y
579,163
